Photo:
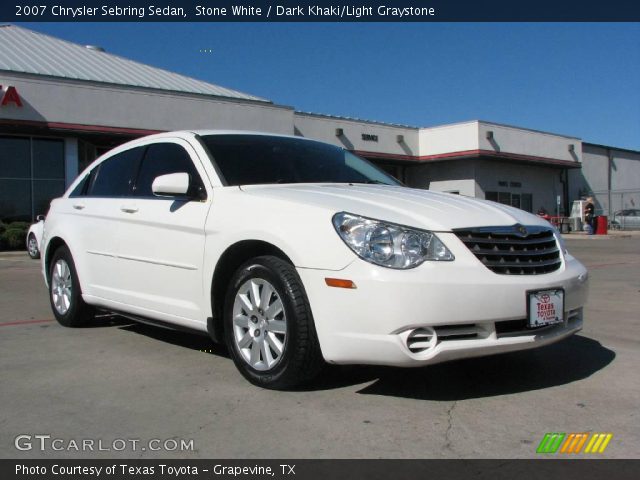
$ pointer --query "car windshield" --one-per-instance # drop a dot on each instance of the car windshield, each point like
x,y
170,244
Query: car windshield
x,y
260,159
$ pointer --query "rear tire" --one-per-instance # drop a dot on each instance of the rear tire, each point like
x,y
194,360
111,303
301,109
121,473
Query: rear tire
x,y
269,328
32,247
65,293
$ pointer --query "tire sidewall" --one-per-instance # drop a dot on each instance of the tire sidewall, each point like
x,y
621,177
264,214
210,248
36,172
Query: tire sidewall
x,y
258,269
37,255
72,317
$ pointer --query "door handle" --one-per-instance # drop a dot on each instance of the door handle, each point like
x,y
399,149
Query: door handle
x,y
78,206
129,208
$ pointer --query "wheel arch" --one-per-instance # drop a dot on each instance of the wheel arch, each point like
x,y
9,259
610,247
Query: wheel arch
x,y
52,245
230,260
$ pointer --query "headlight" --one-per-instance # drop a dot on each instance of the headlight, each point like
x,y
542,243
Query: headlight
x,y
387,244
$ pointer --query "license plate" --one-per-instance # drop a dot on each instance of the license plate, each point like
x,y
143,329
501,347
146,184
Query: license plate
x,y
545,307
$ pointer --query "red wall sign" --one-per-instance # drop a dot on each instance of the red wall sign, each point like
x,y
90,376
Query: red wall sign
x,y
10,95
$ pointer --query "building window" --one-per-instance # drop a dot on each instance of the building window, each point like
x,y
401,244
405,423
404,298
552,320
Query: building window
x,y
524,201
32,173
504,198
396,171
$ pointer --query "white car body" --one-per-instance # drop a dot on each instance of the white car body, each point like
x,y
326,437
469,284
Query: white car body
x,y
142,258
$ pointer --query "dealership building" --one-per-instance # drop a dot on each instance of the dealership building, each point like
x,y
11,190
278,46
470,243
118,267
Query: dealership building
x,y
63,104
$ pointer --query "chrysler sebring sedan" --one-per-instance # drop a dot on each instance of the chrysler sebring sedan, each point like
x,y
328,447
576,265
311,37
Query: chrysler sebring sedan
x,y
295,253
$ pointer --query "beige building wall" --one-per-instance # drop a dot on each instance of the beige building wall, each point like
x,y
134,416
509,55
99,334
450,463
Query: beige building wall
x,y
83,103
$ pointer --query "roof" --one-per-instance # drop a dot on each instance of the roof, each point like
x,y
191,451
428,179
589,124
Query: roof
x,y
607,147
354,119
26,51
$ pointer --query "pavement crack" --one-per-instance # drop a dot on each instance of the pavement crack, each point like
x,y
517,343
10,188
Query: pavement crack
x,y
447,433
201,427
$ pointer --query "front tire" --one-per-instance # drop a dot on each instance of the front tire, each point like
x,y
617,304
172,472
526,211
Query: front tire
x,y
65,293
269,327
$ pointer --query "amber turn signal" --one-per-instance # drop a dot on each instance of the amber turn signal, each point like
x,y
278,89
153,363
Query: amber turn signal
x,y
339,283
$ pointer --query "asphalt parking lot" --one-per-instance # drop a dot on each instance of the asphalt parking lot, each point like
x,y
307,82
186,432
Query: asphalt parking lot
x,y
119,380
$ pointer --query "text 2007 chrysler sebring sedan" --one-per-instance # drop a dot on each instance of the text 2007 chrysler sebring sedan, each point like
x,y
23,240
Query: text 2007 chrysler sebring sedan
x,y
296,252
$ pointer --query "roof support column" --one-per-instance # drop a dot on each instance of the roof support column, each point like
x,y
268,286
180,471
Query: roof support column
x,y
70,160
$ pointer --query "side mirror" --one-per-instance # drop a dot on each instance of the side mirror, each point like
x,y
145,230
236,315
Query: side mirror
x,y
40,218
172,184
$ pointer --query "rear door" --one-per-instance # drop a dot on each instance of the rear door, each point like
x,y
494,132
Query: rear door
x,y
96,206
162,240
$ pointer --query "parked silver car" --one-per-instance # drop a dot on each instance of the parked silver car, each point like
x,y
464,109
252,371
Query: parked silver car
x,y
626,219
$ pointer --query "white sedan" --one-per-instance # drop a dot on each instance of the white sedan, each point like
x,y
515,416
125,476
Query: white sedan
x,y
34,237
295,253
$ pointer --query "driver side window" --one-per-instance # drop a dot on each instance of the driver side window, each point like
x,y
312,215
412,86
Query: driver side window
x,y
163,159
113,177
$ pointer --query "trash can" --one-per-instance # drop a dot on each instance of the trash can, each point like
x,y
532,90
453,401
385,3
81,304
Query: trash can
x,y
564,225
601,225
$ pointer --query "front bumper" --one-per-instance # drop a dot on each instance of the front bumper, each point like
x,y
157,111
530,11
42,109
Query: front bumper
x,y
456,309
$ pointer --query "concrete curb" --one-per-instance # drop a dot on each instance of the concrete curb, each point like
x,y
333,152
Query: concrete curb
x,y
584,236
19,253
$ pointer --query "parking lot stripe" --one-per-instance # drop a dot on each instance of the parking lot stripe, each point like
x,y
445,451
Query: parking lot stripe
x,y
24,322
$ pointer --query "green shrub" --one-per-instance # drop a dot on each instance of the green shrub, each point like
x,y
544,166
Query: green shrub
x,y
19,226
13,235
13,239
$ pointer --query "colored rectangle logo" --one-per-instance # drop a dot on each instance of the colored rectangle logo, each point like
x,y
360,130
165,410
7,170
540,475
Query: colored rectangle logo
x,y
574,443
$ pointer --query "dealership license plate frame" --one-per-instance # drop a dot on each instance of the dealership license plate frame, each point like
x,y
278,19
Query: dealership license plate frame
x,y
534,297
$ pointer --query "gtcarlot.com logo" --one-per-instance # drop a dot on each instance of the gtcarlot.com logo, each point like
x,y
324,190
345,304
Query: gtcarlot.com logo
x,y
46,442
574,443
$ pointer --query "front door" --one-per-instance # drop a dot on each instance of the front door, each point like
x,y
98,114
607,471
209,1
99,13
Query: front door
x,y
162,241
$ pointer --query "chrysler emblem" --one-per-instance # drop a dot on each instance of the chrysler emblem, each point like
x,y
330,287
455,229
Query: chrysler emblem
x,y
521,231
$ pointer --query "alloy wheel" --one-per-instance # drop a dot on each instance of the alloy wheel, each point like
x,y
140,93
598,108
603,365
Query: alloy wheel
x,y
32,246
259,324
61,285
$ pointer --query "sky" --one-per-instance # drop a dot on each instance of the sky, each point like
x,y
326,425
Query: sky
x,y
578,79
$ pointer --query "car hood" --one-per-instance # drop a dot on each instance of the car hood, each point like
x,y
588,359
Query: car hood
x,y
407,206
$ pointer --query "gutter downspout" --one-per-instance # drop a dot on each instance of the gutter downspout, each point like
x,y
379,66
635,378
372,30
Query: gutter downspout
x,y
609,175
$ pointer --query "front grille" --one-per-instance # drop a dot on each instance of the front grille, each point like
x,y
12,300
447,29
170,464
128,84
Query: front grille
x,y
456,332
508,328
425,338
515,250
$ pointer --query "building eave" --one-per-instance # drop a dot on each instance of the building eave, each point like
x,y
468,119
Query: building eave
x,y
469,155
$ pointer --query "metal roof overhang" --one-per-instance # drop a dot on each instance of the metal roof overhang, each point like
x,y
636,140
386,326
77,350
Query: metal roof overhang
x,y
471,155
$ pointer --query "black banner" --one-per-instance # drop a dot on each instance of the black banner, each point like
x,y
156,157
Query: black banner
x,y
320,469
319,11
